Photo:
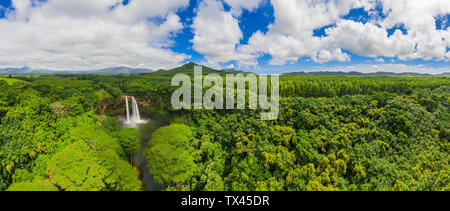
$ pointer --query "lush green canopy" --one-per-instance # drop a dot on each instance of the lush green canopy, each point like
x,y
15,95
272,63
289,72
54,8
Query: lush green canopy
x,y
333,133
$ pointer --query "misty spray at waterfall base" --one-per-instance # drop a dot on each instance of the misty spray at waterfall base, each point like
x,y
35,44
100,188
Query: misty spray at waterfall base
x,y
133,118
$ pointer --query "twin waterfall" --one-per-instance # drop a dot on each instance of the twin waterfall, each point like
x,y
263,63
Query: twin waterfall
x,y
135,117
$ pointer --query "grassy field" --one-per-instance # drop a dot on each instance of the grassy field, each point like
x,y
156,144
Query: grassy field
x,y
10,81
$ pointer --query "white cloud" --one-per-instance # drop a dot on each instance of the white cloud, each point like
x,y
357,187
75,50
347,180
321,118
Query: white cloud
x,y
22,8
217,35
85,34
137,10
290,37
368,40
333,55
418,18
237,6
381,60
216,32
282,48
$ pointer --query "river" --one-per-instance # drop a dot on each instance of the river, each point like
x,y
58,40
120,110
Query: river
x,y
146,130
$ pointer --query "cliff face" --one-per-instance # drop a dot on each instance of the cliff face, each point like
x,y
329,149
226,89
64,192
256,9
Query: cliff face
x,y
118,107
120,102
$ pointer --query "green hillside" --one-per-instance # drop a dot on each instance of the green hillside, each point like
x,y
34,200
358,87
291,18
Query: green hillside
x,y
10,81
188,69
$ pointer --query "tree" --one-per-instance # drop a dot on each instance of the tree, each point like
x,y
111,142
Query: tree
x,y
129,140
74,169
177,135
92,163
39,184
171,166
105,100
60,109
169,156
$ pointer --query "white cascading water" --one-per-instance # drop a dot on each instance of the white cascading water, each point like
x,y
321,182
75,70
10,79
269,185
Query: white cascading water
x,y
135,117
128,110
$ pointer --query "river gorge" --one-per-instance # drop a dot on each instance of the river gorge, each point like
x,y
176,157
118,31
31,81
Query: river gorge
x,y
146,126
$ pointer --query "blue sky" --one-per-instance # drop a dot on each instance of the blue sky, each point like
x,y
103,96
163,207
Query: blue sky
x,y
258,35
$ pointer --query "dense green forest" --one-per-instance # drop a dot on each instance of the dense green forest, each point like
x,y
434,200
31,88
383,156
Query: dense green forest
x,y
348,133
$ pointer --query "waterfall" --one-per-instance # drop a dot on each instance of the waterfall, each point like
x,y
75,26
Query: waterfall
x,y
136,116
128,110
133,117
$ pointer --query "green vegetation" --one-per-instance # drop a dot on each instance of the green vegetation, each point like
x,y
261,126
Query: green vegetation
x,y
38,184
51,139
349,133
10,81
170,157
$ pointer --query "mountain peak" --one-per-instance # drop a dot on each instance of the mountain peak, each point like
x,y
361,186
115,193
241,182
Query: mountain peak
x,y
190,65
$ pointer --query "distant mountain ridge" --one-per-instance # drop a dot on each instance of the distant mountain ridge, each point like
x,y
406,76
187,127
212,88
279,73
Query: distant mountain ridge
x,y
188,69
354,73
105,71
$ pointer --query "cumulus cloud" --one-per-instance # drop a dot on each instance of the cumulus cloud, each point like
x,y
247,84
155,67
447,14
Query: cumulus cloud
x,y
331,55
237,6
85,34
217,35
291,37
281,47
216,32
368,40
419,18
137,10
22,8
